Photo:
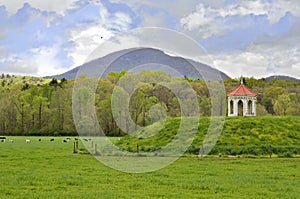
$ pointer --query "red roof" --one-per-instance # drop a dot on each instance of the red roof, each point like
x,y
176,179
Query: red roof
x,y
242,90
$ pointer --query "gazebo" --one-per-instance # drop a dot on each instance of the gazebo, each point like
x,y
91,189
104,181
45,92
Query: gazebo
x,y
242,102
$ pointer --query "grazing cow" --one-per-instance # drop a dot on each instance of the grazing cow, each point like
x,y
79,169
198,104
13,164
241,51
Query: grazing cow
x,y
27,141
40,139
64,141
52,140
90,139
11,141
76,139
85,139
68,139
3,139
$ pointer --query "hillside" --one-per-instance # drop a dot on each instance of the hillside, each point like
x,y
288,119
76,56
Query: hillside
x,y
241,135
10,80
130,58
37,106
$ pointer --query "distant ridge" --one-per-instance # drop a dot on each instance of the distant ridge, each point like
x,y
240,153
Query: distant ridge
x,y
281,77
143,56
130,58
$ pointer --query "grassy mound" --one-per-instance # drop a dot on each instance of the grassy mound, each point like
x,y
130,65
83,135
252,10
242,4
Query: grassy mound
x,y
240,135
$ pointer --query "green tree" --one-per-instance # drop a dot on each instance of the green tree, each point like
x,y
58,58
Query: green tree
x,y
270,96
281,104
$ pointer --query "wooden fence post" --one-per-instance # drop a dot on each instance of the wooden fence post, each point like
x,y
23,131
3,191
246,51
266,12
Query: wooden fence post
x,y
74,150
96,152
77,145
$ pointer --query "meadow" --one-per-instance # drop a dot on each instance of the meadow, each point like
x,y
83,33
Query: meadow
x,y
51,170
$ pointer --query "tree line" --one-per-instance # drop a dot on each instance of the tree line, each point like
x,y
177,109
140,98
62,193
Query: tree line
x,y
37,106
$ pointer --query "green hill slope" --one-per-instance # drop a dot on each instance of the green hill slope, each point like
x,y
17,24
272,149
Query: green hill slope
x,y
240,135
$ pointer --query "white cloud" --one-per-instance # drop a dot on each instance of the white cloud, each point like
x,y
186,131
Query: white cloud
x,y
272,47
246,64
203,20
86,42
258,64
16,64
37,61
118,21
58,6
176,8
121,20
46,61
156,20
280,7
208,21
60,46
264,56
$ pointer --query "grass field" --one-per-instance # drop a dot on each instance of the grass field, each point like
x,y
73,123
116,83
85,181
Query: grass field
x,y
240,135
50,170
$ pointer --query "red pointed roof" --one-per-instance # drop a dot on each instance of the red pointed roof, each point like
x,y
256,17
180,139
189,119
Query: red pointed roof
x,y
242,90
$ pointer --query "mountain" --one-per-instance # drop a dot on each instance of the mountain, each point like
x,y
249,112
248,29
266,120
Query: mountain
x,y
138,59
281,77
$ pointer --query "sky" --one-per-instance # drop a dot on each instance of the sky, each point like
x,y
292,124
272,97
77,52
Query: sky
x,y
255,38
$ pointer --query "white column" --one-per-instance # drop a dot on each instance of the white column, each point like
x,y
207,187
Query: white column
x,y
235,110
245,107
229,106
254,107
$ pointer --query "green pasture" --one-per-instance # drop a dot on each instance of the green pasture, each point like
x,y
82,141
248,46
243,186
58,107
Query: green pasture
x,y
255,136
51,170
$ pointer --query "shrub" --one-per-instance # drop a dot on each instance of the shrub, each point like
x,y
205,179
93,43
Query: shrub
x,y
285,155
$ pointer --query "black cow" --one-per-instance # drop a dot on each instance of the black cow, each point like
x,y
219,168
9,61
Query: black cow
x,y
2,139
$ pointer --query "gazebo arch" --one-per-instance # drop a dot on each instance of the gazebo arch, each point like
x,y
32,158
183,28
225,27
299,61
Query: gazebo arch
x,y
240,108
250,108
231,107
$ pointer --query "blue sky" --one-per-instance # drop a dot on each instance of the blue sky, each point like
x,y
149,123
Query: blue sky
x,y
250,38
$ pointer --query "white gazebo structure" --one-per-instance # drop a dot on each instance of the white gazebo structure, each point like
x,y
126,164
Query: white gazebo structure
x,y
242,102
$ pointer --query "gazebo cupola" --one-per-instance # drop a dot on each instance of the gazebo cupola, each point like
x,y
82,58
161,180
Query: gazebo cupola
x,y
242,102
